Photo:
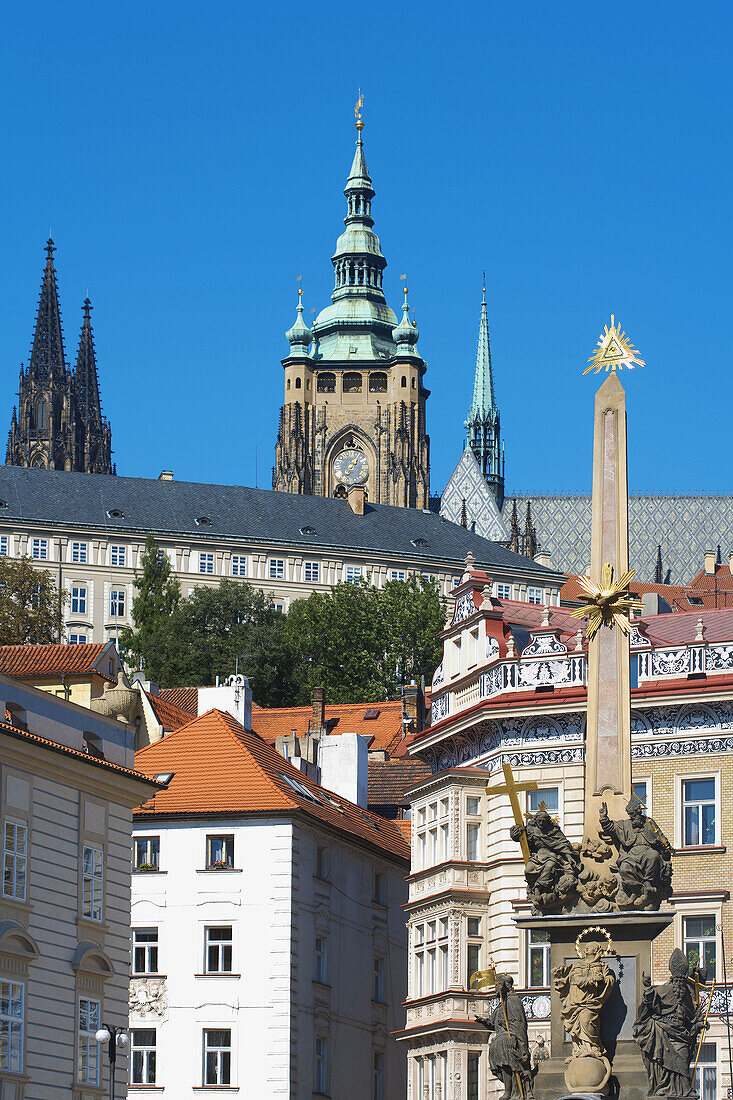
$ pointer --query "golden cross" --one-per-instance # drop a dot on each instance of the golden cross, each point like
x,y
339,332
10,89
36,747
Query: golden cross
x,y
512,788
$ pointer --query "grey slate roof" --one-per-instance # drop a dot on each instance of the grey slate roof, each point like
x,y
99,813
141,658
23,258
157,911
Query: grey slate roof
x,y
57,498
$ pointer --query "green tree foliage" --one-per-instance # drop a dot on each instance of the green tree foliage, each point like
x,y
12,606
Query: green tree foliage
x,y
30,605
157,596
361,643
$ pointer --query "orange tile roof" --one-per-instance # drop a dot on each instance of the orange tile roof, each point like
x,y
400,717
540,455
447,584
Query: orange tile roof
x,y
389,779
680,628
405,826
674,594
170,717
50,660
218,767
66,750
184,698
385,728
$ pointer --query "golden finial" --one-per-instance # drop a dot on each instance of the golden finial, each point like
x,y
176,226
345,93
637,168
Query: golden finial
x,y
357,111
615,351
608,602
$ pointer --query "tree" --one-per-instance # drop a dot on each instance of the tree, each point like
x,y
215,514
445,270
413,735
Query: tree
x,y
361,643
158,594
30,603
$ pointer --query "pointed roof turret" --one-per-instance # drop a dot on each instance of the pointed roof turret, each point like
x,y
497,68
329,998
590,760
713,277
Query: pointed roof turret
x,y
483,386
85,375
299,336
405,334
47,352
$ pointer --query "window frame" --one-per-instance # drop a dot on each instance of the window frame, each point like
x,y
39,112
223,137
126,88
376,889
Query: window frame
x,y
227,847
11,856
79,552
239,565
378,1075
276,569
353,574
221,948
207,558
151,845
699,941
685,803
40,545
534,595
96,884
12,1025
4,546
149,950
78,639
323,863
78,599
223,1072
541,949
86,1041
118,555
397,575
117,600
320,958
312,572
148,1075
707,1069
430,940
320,1065
378,974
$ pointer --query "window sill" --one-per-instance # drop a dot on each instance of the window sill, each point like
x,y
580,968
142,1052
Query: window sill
x,y
215,1088
324,882
218,974
17,905
149,974
140,871
699,849
321,985
146,1088
217,871
88,924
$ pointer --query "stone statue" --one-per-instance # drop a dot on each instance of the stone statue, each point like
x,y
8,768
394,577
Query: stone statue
x,y
509,1056
644,861
667,1028
553,866
583,988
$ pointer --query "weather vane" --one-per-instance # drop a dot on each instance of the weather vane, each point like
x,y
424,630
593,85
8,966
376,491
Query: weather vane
x,y
615,351
357,111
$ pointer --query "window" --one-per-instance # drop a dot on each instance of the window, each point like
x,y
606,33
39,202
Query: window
x,y
699,942
352,382
431,957
397,575
146,853
353,574
217,1056
706,1074
473,841
145,950
698,811
326,382
321,967
322,863
39,549
379,891
321,1065
239,565
206,563
504,591
298,383
474,1061
378,986
117,603
403,382
79,551
311,571
77,639
640,793
378,382
118,555
546,798
218,949
15,854
432,834
11,1026
89,1025
534,595
277,569
538,957
142,1060
474,942
3,546
78,600
219,852
473,805
92,882
378,1076
41,413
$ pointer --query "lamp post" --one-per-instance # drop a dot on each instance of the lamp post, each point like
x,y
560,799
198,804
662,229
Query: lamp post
x,y
114,1037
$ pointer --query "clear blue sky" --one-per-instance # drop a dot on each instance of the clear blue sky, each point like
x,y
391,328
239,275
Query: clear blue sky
x,y
190,158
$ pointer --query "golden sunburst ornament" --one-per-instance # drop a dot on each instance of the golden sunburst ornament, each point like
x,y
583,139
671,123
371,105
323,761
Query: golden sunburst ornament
x,y
608,602
615,351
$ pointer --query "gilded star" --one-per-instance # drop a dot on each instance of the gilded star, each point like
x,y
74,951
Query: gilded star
x,y
614,352
608,602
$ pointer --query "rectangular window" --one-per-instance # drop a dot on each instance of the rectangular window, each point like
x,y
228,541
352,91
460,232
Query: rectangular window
x,y
39,549
397,575
534,595
206,563
239,565
3,546
77,639
378,1076
706,1074
118,555
699,943
217,1056
89,1025
92,882
473,961
432,842
219,853
698,809
146,851
145,950
640,793
321,1065
311,571
473,806
322,862
78,600
277,569
473,837
117,603
504,591
379,893
538,958
546,798
431,957
142,1056
218,949
378,987
79,551
15,857
321,967
472,1076
352,574
11,1026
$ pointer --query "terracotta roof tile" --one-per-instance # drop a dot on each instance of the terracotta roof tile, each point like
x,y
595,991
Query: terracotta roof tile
x,y
405,826
97,761
185,698
170,717
50,660
385,727
680,627
388,780
218,767
674,594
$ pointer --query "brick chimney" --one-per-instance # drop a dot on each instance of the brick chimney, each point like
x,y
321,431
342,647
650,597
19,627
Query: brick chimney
x,y
356,497
318,717
412,708
710,563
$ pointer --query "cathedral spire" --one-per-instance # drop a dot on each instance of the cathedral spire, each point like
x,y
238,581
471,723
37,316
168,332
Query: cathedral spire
x,y
483,427
483,385
86,378
47,360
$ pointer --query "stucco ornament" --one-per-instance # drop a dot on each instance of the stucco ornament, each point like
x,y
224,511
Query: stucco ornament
x,y
148,996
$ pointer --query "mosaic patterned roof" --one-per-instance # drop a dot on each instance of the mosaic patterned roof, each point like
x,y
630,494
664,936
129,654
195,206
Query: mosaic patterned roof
x,y
468,484
684,526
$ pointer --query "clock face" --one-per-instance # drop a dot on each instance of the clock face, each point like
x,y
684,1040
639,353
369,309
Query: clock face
x,y
351,467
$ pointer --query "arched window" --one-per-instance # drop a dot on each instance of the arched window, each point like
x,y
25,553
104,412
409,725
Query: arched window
x,y
340,491
413,383
326,382
352,382
404,381
41,413
287,384
378,382
298,383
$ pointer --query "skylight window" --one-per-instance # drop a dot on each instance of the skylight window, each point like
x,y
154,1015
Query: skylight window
x,y
419,542
308,531
371,714
301,789
115,513
203,521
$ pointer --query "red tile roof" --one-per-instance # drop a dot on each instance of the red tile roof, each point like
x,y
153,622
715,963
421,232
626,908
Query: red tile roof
x,y
51,660
218,767
184,698
97,761
170,717
680,628
385,728
674,594
389,779
404,824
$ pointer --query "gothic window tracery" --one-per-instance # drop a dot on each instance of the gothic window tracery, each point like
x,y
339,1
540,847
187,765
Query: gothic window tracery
x,y
41,413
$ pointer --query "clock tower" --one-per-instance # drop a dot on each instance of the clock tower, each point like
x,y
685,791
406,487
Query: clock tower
x,y
354,409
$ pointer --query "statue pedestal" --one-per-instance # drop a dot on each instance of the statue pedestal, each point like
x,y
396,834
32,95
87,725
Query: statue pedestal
x,y
632,934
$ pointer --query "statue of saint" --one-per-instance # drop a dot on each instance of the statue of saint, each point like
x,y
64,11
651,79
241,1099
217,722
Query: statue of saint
x,y
583,988
509,1055
667,1028
554,865
644,861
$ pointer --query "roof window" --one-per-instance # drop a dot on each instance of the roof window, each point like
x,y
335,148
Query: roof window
x,y
115,513
419,541
371,714
301,789
3,503
203,521
308,531
696,600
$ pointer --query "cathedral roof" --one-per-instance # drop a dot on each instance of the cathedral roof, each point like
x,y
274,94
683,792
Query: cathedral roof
x,y
467,489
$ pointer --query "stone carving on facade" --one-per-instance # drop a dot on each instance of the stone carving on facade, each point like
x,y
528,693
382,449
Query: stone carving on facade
x,y
583,988
439,676
118,701
554,864
542,644
644,860
492,649
148,997
509,1055
667,1028
465,607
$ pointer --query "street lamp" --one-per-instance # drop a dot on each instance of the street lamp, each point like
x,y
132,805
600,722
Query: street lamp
x,y
114,1037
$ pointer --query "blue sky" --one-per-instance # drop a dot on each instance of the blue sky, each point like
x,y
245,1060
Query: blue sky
x,y
189,160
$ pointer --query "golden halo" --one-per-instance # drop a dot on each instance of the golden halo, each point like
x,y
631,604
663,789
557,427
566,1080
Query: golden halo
x,y
610,949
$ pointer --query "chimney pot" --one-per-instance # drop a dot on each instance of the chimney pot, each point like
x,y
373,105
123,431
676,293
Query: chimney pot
x,y
710,563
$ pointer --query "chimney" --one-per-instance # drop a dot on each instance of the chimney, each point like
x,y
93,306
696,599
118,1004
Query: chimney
x,y
318,717
356,497
344,761
411,708
543,558
710,563
165,475
730,561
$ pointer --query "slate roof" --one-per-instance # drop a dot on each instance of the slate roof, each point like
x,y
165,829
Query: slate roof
x,y
52,498
51,660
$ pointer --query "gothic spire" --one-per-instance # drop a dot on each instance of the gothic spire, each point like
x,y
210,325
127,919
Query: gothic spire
x,y
483,427
86,378
483,386
47,352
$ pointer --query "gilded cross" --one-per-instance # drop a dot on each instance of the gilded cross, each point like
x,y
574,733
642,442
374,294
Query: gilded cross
x,y
512,788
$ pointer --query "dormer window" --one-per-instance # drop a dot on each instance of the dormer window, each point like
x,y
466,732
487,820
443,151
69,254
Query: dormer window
x,y
115,513
203,521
